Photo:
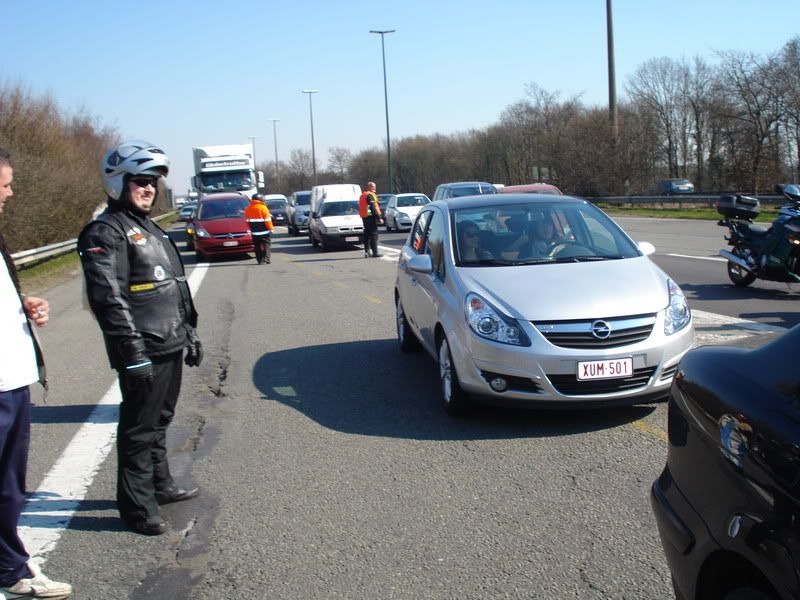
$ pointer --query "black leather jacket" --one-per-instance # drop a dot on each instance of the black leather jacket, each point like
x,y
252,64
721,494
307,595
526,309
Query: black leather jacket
x,y
136,286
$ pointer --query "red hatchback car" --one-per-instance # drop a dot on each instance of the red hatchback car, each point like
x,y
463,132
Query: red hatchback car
x,y
219,226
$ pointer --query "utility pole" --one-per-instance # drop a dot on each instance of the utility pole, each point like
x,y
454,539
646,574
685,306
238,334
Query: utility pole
x,y
275,139
311,116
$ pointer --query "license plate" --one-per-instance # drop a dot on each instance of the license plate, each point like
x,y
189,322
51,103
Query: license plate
x,y
352,238
605,369
231,243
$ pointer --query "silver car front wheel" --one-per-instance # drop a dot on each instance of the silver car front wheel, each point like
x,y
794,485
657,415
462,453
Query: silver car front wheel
x,y
453,397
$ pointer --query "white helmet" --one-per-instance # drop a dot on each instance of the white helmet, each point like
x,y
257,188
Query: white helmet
x,y
135,157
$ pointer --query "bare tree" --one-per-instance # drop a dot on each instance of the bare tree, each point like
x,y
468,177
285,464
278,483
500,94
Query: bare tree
x,y
659,86
339,161
300,169
752,89
790,74
699,88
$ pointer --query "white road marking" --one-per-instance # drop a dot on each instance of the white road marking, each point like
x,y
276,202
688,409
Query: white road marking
x,y
714,258
703,318
49,510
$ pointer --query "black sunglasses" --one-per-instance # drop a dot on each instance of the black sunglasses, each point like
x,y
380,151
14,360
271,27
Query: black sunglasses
x,y
471,234
144,181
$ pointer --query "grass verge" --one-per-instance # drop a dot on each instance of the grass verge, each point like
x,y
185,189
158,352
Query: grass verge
x,y
50,273
768,214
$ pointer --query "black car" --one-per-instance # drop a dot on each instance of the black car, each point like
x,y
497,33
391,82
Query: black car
x,y
277,210
728,501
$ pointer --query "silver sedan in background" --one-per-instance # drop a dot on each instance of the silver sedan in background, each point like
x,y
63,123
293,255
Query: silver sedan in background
x,y
402,209
539,301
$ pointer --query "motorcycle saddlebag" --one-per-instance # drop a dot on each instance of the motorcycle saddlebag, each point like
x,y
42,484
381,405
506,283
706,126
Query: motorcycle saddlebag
x,y
736,206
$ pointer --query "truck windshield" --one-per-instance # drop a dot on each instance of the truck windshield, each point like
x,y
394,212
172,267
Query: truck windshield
x,y
229,181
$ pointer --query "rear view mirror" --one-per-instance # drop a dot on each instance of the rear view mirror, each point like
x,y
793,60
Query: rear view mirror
x,y
421,263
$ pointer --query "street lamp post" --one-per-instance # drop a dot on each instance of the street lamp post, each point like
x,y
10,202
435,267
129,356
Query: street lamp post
x,y
612,85
311,116
275,138
382,33
253,145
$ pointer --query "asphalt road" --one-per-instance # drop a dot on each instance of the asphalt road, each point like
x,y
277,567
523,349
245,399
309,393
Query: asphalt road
x,y
329,470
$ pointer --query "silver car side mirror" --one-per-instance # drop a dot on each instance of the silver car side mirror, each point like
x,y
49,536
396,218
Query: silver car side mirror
x,y
646,247
421,263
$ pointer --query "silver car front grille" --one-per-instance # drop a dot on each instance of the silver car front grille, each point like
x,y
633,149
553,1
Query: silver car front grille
x,y
570,385
597,333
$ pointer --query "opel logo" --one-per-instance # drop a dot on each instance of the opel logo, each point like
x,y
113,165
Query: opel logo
x,y
601,329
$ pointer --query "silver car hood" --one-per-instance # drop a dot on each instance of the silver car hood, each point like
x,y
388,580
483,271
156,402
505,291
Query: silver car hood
x,y
565,291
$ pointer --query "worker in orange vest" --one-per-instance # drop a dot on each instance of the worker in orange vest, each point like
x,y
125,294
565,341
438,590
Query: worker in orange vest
x,y
370,212
260,221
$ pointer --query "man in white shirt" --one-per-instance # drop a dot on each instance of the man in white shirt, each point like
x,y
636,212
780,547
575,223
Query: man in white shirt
x,y
21,365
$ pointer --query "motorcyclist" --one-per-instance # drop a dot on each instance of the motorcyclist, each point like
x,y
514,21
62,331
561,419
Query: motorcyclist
x,y
137,289
259,219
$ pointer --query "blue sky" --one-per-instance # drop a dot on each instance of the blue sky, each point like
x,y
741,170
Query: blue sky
x,y
186,73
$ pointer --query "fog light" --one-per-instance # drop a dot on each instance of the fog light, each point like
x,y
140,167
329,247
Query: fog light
x,y
498,384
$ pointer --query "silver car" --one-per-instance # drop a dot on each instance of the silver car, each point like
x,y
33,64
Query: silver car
x,y
538,301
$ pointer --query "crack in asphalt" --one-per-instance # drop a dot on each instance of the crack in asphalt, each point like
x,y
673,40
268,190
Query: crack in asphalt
x,y
217,386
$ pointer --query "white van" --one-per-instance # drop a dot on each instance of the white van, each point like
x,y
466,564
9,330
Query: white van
x,y
334,218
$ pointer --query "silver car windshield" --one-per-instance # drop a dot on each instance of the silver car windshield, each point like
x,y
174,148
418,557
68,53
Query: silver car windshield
x,y
536,233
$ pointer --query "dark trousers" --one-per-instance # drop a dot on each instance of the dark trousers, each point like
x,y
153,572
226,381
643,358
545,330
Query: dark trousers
x,y
370,234
263,247
144,415
15,437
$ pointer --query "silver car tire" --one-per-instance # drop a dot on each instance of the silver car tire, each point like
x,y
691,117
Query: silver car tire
x,y
405,336
454,398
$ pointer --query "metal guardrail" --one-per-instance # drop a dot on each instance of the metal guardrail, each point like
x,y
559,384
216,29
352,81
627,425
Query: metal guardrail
x,y
36,255
682,199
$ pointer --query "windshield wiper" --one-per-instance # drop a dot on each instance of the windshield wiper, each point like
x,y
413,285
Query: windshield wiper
x,y
586,258
485,262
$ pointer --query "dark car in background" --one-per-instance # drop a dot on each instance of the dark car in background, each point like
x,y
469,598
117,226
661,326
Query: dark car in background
x,y
219,226
458,189
675,186
728,501
278,206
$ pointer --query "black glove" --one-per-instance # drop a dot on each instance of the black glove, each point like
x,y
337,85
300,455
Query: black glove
x,y
194,349
140,373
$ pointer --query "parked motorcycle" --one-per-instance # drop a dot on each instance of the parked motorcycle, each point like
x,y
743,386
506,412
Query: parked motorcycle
x,y
761,252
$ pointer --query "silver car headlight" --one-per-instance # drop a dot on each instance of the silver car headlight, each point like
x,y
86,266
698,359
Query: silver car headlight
x,y
678,313
489,323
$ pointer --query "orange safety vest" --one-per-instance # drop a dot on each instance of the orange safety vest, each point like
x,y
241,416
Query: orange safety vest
x,y
258,218
368,205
